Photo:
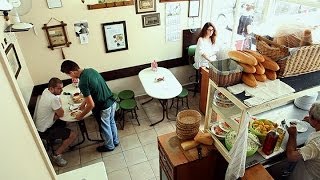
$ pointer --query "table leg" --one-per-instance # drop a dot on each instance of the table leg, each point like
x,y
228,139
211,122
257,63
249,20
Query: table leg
x,y
147,101
164,104
84,132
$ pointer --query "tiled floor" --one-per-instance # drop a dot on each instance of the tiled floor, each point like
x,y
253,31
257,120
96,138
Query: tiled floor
x,y
137,156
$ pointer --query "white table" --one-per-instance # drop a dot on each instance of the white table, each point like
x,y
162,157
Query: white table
x,y
163,90
66,103
95,171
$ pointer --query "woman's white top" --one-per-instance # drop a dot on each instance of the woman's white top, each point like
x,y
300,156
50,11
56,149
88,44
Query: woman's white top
x,y
204,46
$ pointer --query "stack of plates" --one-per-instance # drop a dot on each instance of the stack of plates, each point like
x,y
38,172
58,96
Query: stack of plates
x,y
305,102
188,123
221,100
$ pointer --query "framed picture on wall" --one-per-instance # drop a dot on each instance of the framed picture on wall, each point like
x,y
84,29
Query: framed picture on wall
x,y
56,35
115,36
150,20
145,6
13,59
194,8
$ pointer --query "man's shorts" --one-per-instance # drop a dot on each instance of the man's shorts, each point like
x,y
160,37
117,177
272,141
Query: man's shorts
x,y
57,131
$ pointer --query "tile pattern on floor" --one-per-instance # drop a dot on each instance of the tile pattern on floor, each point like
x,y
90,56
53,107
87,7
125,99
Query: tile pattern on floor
x,y
137,156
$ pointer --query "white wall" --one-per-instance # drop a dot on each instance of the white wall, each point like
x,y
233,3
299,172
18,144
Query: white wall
x,y
24,79
22,156
145,44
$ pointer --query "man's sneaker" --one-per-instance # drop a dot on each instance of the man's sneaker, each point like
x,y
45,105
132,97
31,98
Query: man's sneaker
x,y
59,160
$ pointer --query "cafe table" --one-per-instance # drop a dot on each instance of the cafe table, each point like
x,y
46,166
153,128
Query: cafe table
x,y
67,103
95,171
162,85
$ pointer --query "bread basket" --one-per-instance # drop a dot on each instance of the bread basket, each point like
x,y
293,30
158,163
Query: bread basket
x,y
225,72
188,123
270,48
301,60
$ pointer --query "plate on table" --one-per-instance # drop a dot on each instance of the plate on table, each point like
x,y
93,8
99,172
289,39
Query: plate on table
x,y
74,113
301,126
224,126
217,131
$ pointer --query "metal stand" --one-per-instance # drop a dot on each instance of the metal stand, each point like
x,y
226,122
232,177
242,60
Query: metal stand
x,y
164,104
84,133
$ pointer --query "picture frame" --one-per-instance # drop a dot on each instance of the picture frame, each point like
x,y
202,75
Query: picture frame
x,y
193,8
13,59
115,36
145,6
56,35
150,20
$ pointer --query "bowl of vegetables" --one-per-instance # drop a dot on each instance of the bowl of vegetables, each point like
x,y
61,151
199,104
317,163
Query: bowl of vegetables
x,y
252,147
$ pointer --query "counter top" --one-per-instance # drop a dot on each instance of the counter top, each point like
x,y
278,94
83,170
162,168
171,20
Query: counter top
x,y
288,111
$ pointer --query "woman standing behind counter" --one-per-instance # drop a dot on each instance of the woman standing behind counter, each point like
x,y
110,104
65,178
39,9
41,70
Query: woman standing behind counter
x,y
206,46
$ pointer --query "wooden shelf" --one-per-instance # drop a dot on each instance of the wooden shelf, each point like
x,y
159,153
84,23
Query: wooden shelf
x,y
109,5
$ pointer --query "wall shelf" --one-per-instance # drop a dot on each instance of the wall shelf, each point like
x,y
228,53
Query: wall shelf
x,y
110,5
10,29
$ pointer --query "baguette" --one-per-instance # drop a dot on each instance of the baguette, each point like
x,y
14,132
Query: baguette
x,y
189,145
272,75
247,68
270,64
256,54
260,77
259,68
249,79
243,57
204,138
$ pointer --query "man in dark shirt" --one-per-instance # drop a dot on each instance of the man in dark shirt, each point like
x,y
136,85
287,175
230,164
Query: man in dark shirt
x,y
98,98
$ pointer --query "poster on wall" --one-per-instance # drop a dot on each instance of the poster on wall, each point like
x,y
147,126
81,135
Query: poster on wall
x,y
115,36
173,30
81,29
13,60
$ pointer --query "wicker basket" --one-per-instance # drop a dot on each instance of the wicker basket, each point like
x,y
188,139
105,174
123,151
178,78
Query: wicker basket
x,y
270,48
225,72
188,123
305,60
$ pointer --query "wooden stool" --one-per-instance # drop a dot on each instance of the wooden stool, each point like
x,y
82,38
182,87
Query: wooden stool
x,y
126,94
128,105
191,52
183,97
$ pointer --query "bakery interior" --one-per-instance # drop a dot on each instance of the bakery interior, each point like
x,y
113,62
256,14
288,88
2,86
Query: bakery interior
x,y
283,94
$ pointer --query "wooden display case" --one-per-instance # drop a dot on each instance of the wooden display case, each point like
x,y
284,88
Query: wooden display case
x,y
176,164
303,84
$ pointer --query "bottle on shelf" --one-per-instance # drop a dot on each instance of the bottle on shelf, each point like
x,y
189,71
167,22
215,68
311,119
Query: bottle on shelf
x,y
270,142
281,133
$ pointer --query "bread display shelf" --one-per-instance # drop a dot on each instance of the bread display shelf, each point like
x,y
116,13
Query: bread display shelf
x,y
304,85
110,5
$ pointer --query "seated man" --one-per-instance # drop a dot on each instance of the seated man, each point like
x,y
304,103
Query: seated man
x,y
47,119
308,156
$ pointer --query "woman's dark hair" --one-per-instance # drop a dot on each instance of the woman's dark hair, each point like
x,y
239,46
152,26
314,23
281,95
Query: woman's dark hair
x,y
204,31
68,66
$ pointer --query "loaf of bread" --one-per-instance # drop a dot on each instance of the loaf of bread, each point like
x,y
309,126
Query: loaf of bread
x,y
270,64
249,79
272,75
260,77
204,138
259,68
243,57
256,54
306,38
189,145
247,68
